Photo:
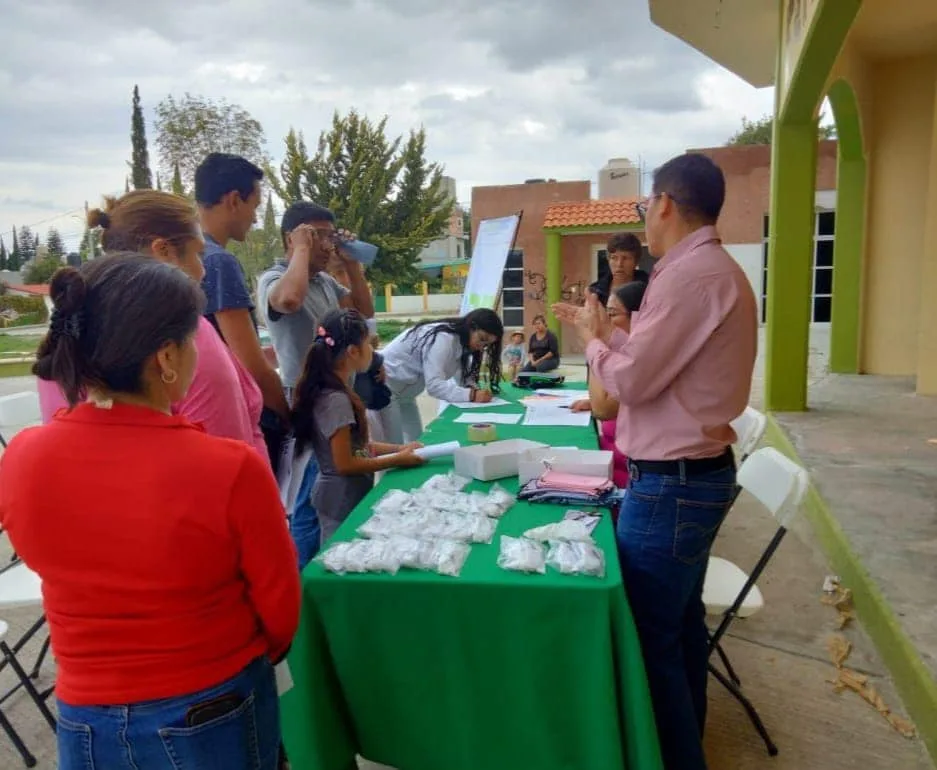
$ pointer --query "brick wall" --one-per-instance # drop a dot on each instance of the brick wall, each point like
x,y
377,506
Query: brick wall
x,y
748,186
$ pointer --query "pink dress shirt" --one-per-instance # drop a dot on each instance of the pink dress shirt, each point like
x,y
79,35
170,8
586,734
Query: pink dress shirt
x,y
223,396
685,370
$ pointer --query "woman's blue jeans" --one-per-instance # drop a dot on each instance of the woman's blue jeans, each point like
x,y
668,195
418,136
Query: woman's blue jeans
x,y
154,735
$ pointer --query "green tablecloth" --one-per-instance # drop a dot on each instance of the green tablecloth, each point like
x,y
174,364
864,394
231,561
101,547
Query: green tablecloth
x,y
491,670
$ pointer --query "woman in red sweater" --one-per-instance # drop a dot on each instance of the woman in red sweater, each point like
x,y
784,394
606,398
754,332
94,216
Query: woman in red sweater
x,y
168,573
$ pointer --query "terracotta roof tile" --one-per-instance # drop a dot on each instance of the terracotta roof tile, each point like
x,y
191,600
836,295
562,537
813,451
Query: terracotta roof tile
x,y
30,288
611,211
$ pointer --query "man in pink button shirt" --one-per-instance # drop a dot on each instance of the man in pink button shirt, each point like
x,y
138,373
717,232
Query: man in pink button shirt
x,y
681,375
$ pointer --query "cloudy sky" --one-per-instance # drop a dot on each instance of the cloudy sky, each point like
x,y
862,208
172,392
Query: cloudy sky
x,y
507,89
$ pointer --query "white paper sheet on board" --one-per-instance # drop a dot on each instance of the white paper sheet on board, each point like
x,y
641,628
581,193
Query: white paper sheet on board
x,y
556,416
478,405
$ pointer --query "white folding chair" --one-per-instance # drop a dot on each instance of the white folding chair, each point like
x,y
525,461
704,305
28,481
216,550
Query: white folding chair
x,y
780,485
749,429
21,587
18,411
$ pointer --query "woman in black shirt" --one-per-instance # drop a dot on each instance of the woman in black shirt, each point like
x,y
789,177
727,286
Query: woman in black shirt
x,y
543,350
624,253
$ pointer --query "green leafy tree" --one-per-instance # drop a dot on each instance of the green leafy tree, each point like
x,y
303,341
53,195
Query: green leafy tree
x,y
14,260
55,246
760,132
467,230
159,182
140,163
177,187
42,270
90,246
4,257
28,246
289,184
382,188
190,128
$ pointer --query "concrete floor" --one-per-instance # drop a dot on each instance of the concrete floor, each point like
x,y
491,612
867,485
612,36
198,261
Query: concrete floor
x,y
781,654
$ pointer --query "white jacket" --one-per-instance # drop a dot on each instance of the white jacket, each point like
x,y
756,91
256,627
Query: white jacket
x,y
411,370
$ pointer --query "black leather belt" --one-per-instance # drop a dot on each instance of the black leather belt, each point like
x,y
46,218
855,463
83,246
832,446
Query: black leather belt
x,y
683,467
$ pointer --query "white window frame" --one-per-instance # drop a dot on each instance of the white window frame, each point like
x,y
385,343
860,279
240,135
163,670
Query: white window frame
x,y
817,239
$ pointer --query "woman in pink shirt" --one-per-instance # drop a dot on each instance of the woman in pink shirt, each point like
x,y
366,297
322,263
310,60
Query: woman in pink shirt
x,y
623,301
223,397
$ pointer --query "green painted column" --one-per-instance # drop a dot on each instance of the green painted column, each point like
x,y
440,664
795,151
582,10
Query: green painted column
x,y
790,265
554,280
850,231
847,266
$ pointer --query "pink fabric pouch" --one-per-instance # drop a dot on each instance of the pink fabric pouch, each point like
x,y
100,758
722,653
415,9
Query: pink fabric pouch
x,y
573,483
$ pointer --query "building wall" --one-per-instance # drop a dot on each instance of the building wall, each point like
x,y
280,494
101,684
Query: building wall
x,y
901,128
533,200
747,169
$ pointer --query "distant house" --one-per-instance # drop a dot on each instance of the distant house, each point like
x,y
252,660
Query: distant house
x,y
31,290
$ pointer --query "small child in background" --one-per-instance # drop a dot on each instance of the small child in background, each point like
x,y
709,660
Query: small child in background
x,y
329,417
514,355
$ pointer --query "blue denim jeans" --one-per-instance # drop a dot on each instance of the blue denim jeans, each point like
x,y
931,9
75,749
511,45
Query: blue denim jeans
x,y
154,735
304,522
666,527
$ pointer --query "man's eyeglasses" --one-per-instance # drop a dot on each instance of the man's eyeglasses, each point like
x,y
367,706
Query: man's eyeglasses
x,y
642,206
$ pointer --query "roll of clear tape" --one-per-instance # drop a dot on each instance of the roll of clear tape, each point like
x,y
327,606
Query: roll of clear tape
x,y
482,432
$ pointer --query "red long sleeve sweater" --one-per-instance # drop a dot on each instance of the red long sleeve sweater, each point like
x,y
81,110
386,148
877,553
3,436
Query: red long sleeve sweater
x,y
164,554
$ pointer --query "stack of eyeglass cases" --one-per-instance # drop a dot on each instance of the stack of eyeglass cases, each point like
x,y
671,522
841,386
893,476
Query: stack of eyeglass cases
x,y
432,528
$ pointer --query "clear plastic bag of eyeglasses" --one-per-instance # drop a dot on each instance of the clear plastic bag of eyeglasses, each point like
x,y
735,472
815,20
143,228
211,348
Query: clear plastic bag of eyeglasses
x,y
430,524
450,482
518,554
569,530
445,557
576,558
360,556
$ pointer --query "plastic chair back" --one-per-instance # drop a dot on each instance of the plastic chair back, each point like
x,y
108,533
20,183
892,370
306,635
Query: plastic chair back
x,y
776,481
749,428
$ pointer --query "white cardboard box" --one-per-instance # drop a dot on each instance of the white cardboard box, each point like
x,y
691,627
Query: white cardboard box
x,y
581,462
496,460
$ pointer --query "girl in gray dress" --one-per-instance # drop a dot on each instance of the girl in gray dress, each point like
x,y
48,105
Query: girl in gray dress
x,y
329,417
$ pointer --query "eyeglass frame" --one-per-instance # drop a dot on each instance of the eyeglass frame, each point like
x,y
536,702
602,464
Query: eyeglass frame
x,y
642,206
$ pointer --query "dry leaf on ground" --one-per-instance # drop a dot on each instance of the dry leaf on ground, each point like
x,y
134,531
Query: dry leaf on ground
x,y
846,679
839,647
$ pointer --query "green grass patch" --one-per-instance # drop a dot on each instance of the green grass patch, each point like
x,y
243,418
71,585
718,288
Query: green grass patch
x,y
25,344
387,330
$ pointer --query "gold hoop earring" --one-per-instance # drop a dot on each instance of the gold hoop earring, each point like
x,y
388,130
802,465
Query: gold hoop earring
x,y
170,377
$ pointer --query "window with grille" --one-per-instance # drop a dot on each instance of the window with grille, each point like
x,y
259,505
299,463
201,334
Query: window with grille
x,y
512,289
822,296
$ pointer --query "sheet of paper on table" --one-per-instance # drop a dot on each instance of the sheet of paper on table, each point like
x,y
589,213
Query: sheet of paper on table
x,y
477,405
556,416
538,400
494,417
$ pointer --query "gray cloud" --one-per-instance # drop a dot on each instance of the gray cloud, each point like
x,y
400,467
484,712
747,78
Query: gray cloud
x,y
506,89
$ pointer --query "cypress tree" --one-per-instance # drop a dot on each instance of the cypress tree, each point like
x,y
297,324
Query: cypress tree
x,y
140,165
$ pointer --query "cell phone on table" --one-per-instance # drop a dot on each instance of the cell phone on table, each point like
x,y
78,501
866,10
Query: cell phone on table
x,y
202,713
